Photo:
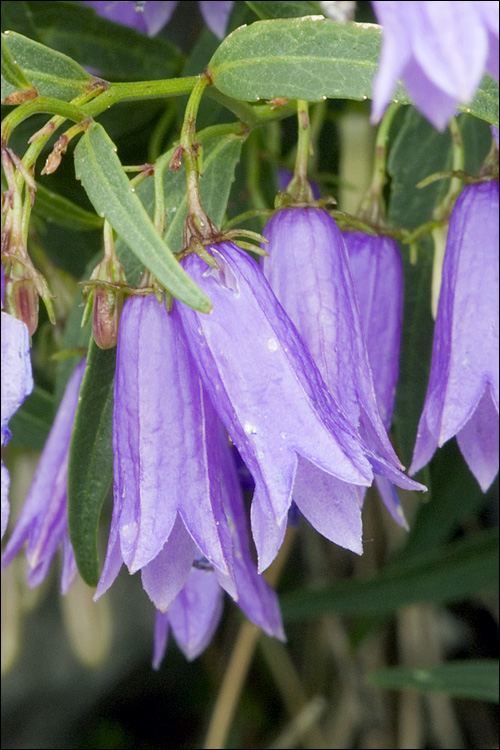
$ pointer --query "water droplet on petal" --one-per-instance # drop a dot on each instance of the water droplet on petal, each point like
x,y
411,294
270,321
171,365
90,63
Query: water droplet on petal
x,y
272,345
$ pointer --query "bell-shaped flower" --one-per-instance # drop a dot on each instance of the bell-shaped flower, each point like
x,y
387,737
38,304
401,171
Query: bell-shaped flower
x,y
462,395
43,519
439,50
377,272
308,269
167,474
195,612
17,383
151,17
273,401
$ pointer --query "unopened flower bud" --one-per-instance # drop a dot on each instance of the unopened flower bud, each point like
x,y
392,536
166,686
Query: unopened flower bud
x,y
108,302
107,310
22,298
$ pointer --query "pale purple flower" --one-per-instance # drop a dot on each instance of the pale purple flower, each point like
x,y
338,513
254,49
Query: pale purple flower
x,y
462,395
167,472
377,272
272,400
440,50
309,271
17,383
177,500
43,519
194,614
150,17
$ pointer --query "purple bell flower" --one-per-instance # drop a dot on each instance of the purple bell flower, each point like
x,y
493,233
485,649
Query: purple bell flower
x,y
150,17
271,398
462,395
308,269
43,519
440,50
17,383
377,272
167,472
195,612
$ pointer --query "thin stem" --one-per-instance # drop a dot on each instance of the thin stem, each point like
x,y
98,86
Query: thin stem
x,y
372,207
197,221
41,104
127,92
299,187
239,663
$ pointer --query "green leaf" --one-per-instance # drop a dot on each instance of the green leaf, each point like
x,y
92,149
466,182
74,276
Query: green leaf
x,y
313,58
90,466
119,53
54,75
63,212
13,78
109,190
447,574
299,58
287,9
31,424
220,156
472,679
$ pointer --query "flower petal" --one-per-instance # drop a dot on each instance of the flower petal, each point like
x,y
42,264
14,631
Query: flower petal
x,y
479,441
195,613
164,577
216,14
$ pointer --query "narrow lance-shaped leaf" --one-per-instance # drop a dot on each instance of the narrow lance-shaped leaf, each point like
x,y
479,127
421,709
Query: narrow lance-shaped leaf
x,y
63,212
313,58
112,196
90,467
474,679
446,574
54,75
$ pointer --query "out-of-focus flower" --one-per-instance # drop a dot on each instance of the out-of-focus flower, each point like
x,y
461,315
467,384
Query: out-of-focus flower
x,y
494,133
308,269
43,519
439,50
377,272
462,395
17,383
272,400
151,17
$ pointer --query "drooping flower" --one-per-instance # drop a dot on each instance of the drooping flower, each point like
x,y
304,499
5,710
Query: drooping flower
x,y
309,271
439,50
151,17
462,395
43,519
272,400
377,272
17,383
194,614
167,473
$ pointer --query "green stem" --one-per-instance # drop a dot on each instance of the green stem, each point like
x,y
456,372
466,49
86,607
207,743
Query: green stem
x,y
41,104
299,187
197,221
127,92
372,208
